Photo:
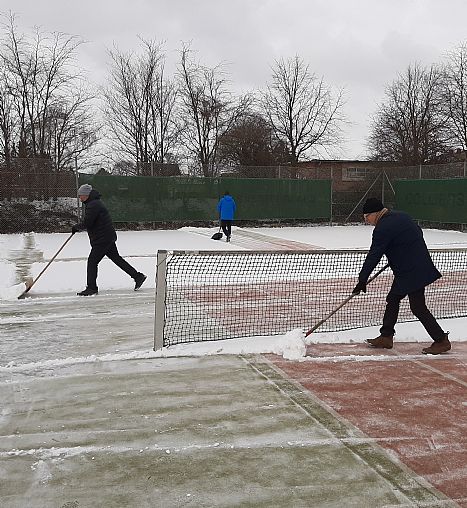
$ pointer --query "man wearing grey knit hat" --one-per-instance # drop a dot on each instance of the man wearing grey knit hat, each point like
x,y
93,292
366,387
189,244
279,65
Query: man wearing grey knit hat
x,y
103,238
85,190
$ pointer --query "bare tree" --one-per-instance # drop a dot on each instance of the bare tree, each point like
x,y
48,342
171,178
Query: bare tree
x,y
42,85
140,107
68,138
301,108
7,116
409,126
454,95
209,108
251,141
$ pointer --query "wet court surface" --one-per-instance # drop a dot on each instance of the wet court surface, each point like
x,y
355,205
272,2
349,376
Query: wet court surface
x,y
411,404
61,326
211,431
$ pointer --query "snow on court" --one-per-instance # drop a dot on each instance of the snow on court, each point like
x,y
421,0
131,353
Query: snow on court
x,y
58,285
13,292
358,237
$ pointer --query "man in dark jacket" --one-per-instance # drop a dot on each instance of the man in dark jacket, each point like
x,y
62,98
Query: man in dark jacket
x,y
226,208
103,239
398,237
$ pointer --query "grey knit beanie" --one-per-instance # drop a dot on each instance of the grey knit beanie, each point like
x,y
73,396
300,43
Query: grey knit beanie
x,y
85,190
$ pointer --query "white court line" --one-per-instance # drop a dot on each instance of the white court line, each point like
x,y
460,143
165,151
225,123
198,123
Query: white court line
x,y
72,451
374,358
443,374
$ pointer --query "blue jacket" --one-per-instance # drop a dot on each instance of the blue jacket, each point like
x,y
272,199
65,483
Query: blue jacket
x,y
400,238
226,208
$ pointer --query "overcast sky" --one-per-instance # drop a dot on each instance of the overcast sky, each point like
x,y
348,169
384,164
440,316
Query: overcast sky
x,y
358,45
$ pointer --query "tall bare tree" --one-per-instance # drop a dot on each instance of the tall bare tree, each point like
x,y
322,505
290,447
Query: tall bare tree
x,y
140,103
7,116
454,95
302,109
410,126
70,141
209,108
43,84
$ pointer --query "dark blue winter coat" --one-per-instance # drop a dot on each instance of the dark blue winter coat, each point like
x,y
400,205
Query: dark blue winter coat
x,y
97,221
226,208
400,238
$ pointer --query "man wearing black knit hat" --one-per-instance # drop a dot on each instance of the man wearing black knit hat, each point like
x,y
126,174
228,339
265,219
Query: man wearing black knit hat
x,y
398,237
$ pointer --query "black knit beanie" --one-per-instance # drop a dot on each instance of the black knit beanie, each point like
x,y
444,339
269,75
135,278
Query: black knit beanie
x,y
372,205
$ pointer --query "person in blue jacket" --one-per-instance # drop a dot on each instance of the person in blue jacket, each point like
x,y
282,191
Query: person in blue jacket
x,y
400,238
226,208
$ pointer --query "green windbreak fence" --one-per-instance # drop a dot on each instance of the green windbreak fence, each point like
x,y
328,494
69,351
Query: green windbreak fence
x,y
152,199
441,201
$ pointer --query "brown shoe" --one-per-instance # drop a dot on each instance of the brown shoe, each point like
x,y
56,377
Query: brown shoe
x,y
381,342
438,347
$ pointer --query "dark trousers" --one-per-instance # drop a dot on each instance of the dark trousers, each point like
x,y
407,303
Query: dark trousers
x,y
96,255
226,227
419,309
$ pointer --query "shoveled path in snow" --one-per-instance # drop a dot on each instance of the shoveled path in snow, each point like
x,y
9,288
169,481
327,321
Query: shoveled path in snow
x,y
59,326
252,240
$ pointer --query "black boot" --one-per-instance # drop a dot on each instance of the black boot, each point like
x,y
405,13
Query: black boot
x,y
139,280
88,292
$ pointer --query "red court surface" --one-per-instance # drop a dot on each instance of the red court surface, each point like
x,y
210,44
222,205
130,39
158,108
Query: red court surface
x,y
412,405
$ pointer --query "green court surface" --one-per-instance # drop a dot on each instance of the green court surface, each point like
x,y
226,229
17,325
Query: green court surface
x,y
215,431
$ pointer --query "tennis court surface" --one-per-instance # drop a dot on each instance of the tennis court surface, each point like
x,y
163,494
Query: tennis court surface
x,y
92,417
337,429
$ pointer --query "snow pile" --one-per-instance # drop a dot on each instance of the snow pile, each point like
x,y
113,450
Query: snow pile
x,y
291,346
12,292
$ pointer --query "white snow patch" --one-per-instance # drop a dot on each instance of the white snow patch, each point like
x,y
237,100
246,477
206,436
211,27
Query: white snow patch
x,y
12,292
291,345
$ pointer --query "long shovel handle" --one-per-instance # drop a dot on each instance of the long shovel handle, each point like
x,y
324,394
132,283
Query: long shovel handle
x,y
45,268
317,325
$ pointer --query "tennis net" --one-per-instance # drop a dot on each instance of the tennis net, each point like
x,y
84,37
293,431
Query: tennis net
x,y
215,295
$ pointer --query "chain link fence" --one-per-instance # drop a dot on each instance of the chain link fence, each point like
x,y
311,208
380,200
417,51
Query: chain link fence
x,y
354,181
34,197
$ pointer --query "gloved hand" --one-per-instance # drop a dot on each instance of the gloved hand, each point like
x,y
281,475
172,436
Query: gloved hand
x,y
359,288
75,229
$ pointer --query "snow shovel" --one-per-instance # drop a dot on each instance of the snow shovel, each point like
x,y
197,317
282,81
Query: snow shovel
x,y
218,235
29,283
317,325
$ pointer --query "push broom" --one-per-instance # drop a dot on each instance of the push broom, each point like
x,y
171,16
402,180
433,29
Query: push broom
x,y
30,282
311,330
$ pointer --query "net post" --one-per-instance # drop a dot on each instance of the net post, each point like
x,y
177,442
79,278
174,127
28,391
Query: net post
x,y
161,286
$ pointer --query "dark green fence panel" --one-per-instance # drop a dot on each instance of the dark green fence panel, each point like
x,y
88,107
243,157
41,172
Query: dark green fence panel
x,y
441,201
269,198
152,199
148,199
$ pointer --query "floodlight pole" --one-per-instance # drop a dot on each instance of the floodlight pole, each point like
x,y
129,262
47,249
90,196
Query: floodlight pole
x,y
77,187
161,287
